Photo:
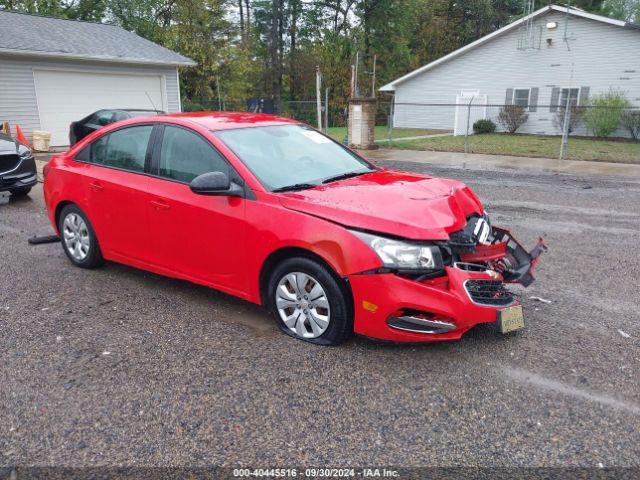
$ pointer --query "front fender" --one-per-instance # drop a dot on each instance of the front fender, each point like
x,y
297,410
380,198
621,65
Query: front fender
x,y
274,228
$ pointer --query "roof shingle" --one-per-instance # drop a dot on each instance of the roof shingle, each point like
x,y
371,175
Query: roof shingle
x,y
39,35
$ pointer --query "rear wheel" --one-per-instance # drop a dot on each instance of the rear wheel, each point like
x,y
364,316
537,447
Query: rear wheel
x,y
309,302
78,238
20,192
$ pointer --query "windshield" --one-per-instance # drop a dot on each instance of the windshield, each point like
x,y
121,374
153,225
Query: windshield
x,y
292,156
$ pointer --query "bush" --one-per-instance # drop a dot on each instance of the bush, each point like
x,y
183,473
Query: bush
x,y
631,121
604,112
575,115
484,126
512,117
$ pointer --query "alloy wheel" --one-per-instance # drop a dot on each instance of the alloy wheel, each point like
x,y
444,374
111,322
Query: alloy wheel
x,y
76,236
303,305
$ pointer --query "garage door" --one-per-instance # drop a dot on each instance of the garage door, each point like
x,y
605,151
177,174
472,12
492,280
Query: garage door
x,y
64,97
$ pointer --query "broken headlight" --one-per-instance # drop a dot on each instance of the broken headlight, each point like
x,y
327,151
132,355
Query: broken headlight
x,y
403,255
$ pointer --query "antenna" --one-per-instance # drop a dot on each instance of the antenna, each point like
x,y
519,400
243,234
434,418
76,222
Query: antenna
x,y
152,104
566,26
526,39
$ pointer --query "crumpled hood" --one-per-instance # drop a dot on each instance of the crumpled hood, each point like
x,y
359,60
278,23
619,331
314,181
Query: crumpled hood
x,y
396,203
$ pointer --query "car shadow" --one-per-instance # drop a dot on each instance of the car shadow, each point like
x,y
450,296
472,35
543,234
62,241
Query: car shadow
x,y
229,309
236,311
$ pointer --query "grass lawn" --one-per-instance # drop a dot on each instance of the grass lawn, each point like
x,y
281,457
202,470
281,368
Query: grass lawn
x,y
530,146
382,132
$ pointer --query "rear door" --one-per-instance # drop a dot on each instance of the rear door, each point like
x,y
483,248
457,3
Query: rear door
x,y
198,237
114,176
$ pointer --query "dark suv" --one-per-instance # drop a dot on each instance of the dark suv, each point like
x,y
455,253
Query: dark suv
x,y
17,167
89,124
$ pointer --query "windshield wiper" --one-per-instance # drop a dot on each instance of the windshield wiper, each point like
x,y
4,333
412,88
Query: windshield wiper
x,y
295,186
343,176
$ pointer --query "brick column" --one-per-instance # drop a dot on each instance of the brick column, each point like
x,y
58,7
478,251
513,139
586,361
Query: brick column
x,y
362,120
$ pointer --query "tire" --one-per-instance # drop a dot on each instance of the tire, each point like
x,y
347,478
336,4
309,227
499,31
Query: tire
x,y
304,318
78,238
20,192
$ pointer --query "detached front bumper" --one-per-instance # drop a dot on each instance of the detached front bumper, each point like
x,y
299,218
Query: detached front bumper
x,y
471,291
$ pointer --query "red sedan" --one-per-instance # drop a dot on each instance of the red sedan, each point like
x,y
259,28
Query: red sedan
x,y
273,211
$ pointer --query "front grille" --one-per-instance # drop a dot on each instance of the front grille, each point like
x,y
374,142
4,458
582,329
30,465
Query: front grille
x,y
489,292
8,162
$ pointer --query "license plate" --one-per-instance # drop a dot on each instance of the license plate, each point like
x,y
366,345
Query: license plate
x,y
510,319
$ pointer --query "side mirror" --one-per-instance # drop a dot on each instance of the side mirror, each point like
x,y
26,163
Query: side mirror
x,y
215,183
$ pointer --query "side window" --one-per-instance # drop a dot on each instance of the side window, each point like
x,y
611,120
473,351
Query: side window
x,y
125,149
521,97
570,94
185,155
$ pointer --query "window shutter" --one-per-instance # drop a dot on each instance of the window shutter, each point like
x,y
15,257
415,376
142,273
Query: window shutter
x,y
508,99
584,96
555,97
533,100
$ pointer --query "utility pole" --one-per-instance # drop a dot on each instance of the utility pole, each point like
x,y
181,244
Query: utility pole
x,y
218,89
318,96
373,82
356,89
466,132
326,109
564,144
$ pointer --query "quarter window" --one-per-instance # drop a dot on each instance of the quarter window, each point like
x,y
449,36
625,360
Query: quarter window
x,y
185,155
521,97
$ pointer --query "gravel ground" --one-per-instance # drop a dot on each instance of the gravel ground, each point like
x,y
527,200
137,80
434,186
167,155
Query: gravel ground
x,y
121,367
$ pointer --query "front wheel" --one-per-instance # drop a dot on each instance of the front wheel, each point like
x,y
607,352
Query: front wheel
x,y
78,238
309,302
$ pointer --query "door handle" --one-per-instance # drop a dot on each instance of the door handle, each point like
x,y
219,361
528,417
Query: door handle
x,y
96,187
160,205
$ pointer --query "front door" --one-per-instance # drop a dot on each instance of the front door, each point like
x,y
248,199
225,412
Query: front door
x,y
197,237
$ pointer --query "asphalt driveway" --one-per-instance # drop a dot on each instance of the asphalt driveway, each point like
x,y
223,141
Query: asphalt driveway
x,y
120,367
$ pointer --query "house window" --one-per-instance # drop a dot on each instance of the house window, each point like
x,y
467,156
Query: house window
x,y
571,94
521,97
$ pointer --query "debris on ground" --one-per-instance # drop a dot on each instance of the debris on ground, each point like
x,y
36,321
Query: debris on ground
x,y
624,334
540,299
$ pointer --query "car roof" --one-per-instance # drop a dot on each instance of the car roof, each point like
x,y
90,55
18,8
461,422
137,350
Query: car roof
x,y
230,120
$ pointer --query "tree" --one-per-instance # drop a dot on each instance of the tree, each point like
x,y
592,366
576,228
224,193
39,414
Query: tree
x,y
604,112
628,10
631,122
575,115
512,117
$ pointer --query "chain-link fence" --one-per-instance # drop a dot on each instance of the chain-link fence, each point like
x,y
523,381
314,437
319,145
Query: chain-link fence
x,y
473,126
553,131
302,110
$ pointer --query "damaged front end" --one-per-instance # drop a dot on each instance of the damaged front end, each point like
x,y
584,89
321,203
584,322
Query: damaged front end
x,y
480,246
466,287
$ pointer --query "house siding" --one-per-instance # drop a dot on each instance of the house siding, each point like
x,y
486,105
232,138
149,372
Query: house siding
x,y
18,99
601,56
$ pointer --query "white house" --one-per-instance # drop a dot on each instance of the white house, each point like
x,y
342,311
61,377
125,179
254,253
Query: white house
x,y
537,62
55,71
